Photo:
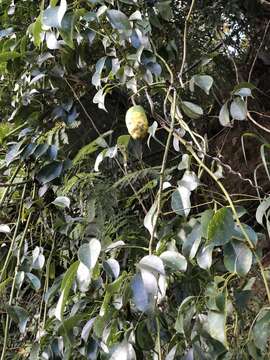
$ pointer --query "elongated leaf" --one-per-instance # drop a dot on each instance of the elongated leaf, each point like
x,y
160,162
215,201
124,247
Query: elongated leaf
x,y
217,326
180,201
118,20
144,288
112,268
204,257
261,330
50,172
192,242
221,227
34,281
65,289
151,218
237,257
224,115
191,110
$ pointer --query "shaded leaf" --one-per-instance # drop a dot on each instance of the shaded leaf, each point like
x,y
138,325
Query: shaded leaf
x,y
19,315
50,172
118,20
237,257
191,110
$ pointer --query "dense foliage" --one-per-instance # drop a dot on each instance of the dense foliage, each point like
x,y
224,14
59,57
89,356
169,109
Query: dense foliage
x,y
121,248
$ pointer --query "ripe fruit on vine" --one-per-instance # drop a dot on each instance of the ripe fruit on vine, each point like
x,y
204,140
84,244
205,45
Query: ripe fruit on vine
x,y
136,121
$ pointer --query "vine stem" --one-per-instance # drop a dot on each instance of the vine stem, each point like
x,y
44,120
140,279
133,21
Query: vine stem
x,y
158,340
185,43
162,171
13,287
3,270
230,202
10,182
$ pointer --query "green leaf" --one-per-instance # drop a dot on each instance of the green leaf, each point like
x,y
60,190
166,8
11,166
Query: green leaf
x,y
191,110
53,15
67,29
180,201
62,202
36,29
5,229
237,257
91,147
4,283
65,289
238,109
112,268
118,20
19,315
217,326
150,218
204,257
174,261
224,115
50,172
34,281
243,85
243,92
205,82
144,289
165,10
123,351
9,55
88,253
206,216
152,263
261,330
143,335
221,227
192,242
262,210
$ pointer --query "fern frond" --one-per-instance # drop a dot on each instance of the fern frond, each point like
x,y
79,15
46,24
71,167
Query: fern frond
x,y
91,147
152,172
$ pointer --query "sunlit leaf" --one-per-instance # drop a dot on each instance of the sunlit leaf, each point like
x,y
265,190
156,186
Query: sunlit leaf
x,y
174,261
89,252
65,289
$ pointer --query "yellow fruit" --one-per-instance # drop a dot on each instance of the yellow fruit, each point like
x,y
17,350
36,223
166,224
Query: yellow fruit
x,y
136,121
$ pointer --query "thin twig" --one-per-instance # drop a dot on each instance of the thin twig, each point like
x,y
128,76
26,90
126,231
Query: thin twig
x,y
162,172
185,43
230,202
258,50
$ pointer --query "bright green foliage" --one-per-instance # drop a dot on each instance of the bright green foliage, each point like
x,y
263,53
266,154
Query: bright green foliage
x,y
115,248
